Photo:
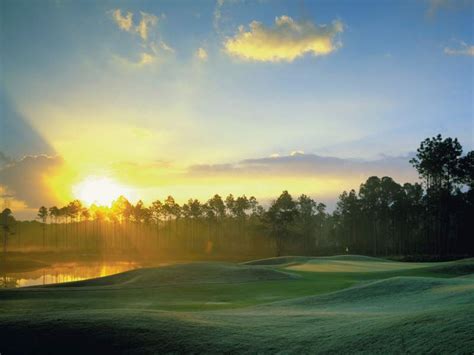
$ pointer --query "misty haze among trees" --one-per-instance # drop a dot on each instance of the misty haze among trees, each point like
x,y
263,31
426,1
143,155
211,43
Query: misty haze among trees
x,y
382,218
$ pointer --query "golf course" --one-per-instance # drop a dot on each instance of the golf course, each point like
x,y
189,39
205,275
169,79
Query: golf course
x,y
236,177
340,304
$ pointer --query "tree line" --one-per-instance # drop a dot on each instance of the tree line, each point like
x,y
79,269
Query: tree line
x,y
432,217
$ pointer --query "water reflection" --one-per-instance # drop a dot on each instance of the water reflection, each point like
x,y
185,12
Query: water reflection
x,y
66,272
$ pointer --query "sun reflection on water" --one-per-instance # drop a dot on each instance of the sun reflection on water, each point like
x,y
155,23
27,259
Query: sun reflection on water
x,y
66,272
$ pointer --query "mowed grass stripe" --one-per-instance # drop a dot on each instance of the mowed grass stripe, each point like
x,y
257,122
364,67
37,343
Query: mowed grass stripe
x,y
323,265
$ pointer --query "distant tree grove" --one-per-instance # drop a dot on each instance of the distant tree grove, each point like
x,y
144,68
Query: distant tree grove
x,y
434,217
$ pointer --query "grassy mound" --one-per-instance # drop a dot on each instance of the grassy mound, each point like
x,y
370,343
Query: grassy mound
x,y
285,260
353,264
454,268
280,260
185,274
468,276
398,315
393,294
218,307
353,258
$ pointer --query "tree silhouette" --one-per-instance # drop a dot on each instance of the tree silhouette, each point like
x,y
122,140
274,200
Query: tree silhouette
x,y
465,171
6,222
437,162
281,214
54,214
42,216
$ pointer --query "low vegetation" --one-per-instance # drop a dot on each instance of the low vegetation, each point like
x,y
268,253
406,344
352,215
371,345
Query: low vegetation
x,y
262,306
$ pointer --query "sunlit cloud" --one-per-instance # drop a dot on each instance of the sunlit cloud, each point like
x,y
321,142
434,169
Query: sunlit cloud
x,y
323,176
297,152
26,180
147,21
124,22
201,54
8,200
163,46
299,165
146,59
463,49
286,41
154,52
153,47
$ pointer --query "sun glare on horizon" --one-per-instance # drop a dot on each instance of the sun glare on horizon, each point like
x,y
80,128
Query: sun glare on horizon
x,y
100,190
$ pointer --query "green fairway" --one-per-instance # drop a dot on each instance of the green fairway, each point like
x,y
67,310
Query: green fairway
x,y
351,265
293,304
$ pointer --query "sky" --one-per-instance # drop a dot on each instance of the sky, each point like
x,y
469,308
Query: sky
x,y
193,98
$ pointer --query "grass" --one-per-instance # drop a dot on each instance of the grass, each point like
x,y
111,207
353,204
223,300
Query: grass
x,y
357,266
293,304
15,263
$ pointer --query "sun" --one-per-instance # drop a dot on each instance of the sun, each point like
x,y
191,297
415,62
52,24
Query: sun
x,y
99,190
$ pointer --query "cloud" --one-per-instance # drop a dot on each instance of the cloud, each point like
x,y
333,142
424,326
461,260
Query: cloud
x,y
298,165
152,54
286,41
297,152
123,22
201,54
145,59
153,47
26,179
142,60
163,46
147,21
222,15
463,49
218,14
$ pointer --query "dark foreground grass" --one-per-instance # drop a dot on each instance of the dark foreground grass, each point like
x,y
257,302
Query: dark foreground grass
x,y
219,307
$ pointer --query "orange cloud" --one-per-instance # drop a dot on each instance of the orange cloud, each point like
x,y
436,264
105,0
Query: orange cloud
x,y
286,41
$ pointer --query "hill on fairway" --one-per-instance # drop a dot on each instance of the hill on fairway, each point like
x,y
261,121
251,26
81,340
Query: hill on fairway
x,y
268,307
198,272
339,263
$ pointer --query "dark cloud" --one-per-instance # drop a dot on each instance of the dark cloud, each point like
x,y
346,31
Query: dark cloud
x,y
311,165
24,179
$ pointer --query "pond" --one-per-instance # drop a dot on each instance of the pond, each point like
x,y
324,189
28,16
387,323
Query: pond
x,y
65,272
